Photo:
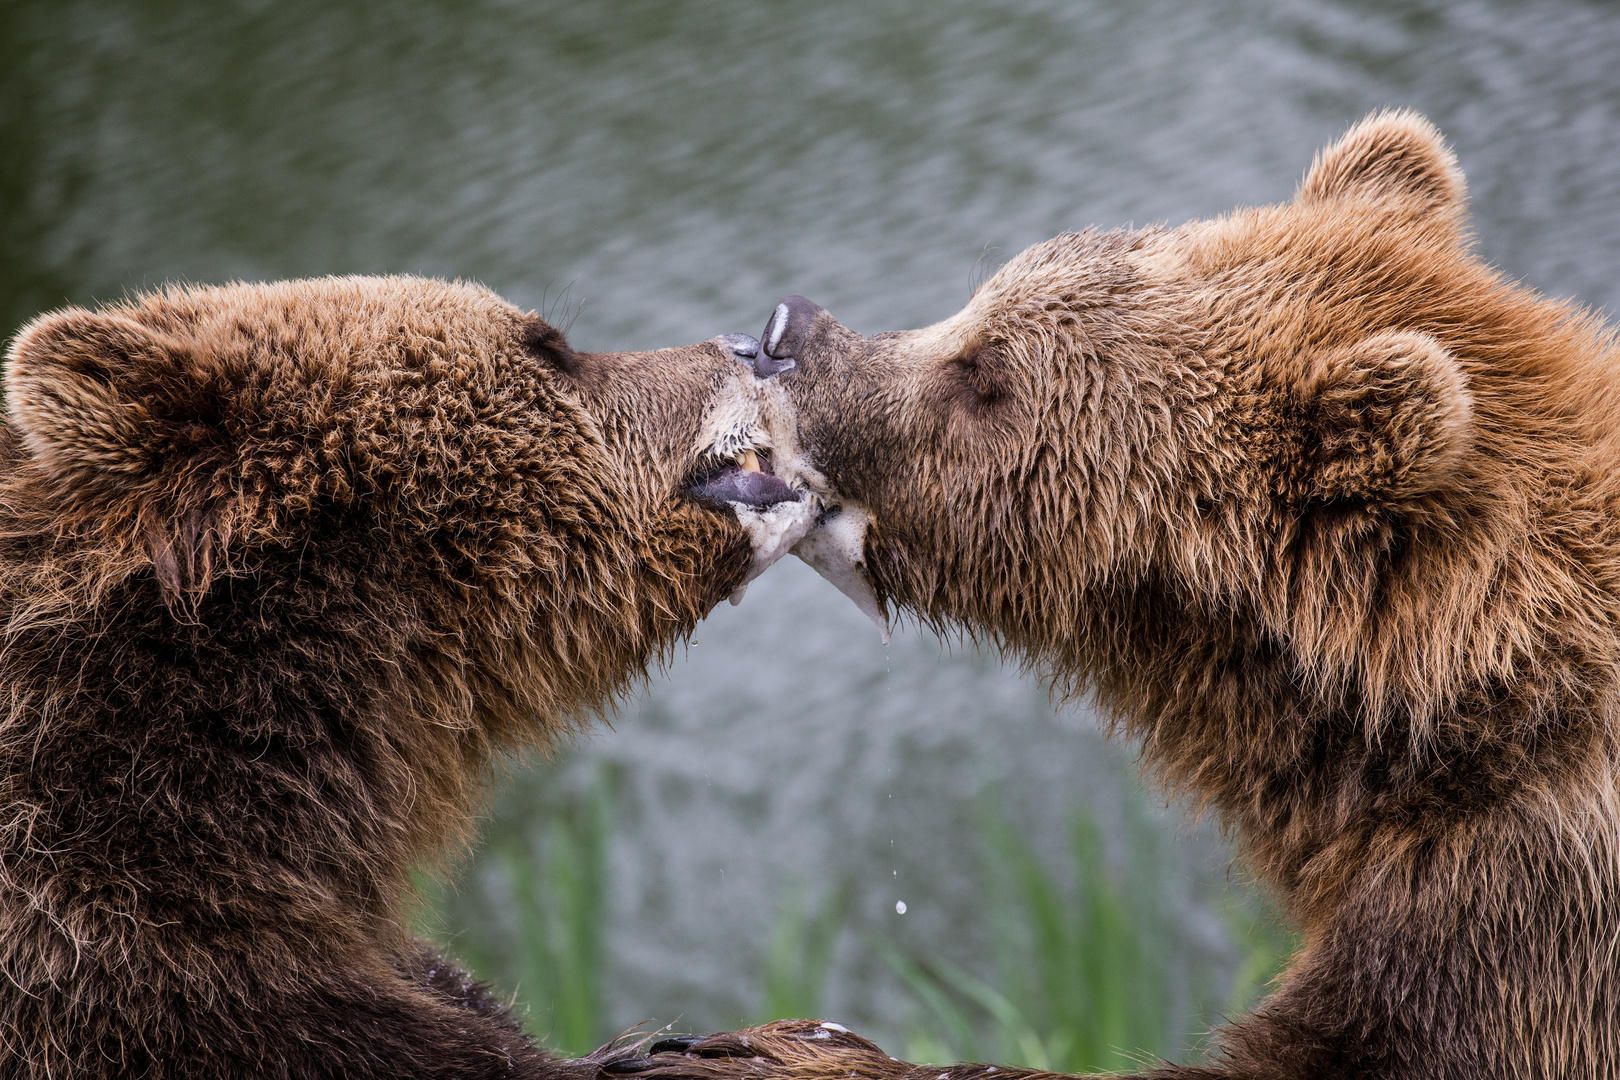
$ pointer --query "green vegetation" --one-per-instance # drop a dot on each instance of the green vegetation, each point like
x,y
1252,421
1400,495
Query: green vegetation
x,y
547,944
1083,979
800,955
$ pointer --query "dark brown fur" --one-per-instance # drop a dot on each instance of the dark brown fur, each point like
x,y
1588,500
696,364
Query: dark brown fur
x,y
1327,515
282,569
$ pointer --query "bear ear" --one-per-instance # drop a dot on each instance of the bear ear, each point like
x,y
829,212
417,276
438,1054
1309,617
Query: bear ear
x,y
1395,154
1389,419
124,425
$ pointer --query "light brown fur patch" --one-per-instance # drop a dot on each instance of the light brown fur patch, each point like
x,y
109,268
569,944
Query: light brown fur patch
x,y
1326,515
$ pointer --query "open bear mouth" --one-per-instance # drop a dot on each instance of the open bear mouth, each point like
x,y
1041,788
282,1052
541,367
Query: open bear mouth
x,y
747,478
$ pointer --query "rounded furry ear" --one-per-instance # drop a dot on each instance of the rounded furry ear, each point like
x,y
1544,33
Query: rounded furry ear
x,y
108,406
126,425
1389,418
1394,154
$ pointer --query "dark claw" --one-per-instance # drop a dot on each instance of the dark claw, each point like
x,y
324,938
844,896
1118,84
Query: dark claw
x,y
727,1044
626,1065
741,345
675,1044
784,335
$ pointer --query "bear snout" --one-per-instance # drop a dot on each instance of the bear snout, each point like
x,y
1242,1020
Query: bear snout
x,y
785,334
744,347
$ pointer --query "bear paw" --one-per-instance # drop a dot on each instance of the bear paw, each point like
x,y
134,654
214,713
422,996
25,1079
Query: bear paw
x,y
791,1050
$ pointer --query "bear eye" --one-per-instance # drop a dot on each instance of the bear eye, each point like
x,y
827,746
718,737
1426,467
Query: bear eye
x,y
546,344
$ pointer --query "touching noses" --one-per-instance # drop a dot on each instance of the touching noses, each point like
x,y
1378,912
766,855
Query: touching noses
x,y
784,336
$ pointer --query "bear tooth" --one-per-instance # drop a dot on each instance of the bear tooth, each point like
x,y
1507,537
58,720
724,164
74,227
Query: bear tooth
x,y
749,460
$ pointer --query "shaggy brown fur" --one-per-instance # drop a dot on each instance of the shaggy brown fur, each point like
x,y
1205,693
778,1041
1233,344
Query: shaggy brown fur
x,y
282,568
1327,515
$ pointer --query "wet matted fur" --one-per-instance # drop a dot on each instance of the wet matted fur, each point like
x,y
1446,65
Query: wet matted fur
x,y
1327,515
282,567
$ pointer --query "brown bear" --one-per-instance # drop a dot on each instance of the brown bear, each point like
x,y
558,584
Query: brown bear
x,y
282,569
1327,515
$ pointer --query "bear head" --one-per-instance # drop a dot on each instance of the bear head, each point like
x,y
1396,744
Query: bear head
x,y
1325,513
298,559
1275,485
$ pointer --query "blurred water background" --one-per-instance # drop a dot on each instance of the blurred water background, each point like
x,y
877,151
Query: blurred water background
x,y
657,172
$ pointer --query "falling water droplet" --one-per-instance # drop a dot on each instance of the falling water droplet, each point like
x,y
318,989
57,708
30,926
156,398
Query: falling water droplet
x,y
899,907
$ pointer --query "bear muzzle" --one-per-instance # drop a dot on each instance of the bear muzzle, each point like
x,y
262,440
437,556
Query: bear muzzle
x,y
740,473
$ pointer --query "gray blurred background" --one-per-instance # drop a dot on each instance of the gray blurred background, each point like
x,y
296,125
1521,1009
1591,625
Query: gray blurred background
x,y
652,173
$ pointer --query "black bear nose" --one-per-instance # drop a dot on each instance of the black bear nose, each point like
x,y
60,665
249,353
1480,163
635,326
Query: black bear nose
x,y
784,335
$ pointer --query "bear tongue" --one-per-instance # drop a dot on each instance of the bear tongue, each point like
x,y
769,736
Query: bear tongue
x,y
741,485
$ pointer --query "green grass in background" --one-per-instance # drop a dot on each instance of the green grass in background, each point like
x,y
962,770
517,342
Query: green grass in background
x,y
546,943
1082,979
801,954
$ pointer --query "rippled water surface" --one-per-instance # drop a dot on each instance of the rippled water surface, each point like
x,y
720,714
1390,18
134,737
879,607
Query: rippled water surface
x,y
659,172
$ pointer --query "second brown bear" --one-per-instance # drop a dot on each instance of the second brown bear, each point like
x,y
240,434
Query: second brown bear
x,y
1327,515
